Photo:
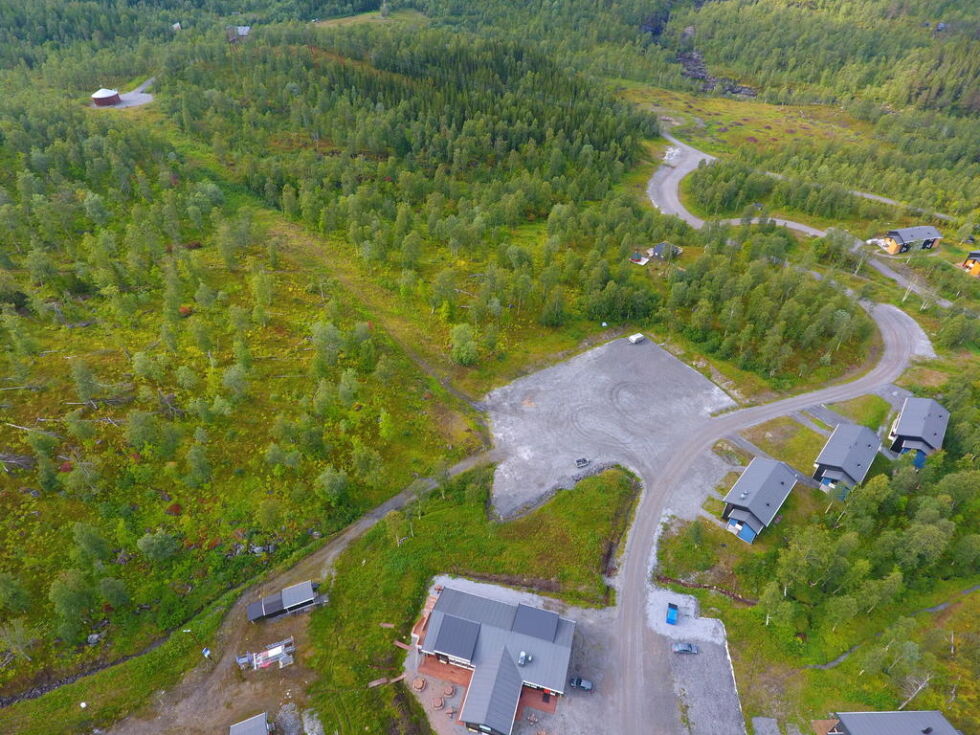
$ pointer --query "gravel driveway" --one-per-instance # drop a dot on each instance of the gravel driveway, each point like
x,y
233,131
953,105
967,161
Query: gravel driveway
x,y
609,405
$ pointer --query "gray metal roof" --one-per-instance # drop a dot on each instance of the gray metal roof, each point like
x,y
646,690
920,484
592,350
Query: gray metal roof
x,y
912,722
851,449
660,250
762,488
257,725
923,419
535,622
478,609
494,693
914,234
457,637
298,594
747,518
502,631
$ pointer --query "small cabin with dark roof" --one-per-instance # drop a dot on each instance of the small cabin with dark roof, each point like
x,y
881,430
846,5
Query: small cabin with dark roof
x,y
752,503
664,251
920,428
292,599
846,457
925,237
972,263
897,722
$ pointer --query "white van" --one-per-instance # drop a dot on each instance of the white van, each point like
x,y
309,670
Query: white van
x,y
636,338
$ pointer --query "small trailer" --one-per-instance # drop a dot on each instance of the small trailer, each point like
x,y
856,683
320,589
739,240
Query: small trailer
x,y
280,653
672,613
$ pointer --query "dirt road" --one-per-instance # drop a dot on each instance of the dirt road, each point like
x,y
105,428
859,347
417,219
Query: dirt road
x,y
215,694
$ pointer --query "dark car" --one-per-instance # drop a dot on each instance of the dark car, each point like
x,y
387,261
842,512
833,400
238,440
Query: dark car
x,y
685,648
577,682
581,462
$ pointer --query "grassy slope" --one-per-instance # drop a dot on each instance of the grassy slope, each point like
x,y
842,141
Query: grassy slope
x,y
870,411
431,428
557,550
789,441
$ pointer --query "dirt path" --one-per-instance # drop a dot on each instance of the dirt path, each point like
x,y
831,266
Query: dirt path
x,y
215,693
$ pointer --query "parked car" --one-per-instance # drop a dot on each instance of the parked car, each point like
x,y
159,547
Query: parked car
x,y
672,613
577,682
685,648
581,462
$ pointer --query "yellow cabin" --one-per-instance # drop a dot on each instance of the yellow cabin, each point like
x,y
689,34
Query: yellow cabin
x,y
924,237
972,264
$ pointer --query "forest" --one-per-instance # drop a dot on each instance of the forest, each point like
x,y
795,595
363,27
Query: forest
x,y
191,395
200,402
727,188
921,54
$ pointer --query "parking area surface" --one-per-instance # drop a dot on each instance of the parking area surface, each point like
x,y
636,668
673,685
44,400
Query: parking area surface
x,y
610,405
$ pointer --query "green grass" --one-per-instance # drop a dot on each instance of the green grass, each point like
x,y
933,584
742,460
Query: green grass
x,y
119,690
731,453
769,662
557,550
412,17
785,439
870,410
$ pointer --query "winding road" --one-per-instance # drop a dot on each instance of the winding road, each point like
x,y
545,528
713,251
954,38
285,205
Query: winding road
x,y
645,699
663,190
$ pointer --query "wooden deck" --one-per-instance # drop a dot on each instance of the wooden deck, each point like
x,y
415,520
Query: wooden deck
x,y
431,666
534,699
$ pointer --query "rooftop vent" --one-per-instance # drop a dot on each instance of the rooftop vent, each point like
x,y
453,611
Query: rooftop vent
x,y
524,658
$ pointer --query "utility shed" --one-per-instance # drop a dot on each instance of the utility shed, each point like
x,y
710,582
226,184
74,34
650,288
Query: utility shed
x,y
298,596
757,496
258,725
847,456
905,722
920,428
291,599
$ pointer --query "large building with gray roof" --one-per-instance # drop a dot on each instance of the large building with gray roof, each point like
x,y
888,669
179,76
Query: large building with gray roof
x,y
920,428
507,647
903,722
757,496
846,457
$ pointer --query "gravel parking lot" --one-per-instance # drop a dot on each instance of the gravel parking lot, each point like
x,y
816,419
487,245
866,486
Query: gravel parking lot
x,y
612,404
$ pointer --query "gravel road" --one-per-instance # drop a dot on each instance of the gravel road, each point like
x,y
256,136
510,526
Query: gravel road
x,y
663,190
645,700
